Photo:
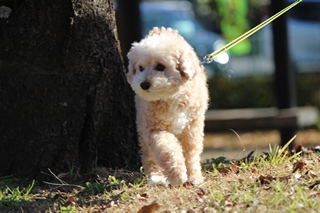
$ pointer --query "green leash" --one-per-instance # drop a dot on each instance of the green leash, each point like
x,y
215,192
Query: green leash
x,y
207,59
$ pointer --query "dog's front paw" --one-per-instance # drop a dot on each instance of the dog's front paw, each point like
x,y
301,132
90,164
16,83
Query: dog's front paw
x,y
157,180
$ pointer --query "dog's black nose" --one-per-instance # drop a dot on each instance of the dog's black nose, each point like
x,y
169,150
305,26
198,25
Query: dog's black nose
x,y
145,85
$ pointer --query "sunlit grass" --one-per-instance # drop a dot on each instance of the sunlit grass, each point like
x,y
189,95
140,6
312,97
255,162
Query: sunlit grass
x,y
257,184
15,195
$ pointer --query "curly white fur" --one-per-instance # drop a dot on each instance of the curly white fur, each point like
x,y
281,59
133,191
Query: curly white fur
x,y
171,101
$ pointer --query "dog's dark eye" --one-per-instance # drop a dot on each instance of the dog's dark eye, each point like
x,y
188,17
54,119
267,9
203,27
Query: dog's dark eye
x,y
141,68
160,67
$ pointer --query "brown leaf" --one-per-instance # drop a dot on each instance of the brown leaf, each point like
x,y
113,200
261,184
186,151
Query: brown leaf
x,y
224,171
314,184
143,196
298,166
297,148
200,192
254,170
268,179
71,200
149,208
284,178
187,184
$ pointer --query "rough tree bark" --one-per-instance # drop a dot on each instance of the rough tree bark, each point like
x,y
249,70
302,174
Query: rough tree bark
x,y
64,100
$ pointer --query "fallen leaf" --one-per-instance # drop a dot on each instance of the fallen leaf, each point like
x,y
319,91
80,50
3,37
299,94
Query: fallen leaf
x,y
143,196
71,200
298,166
314,184
187,184
200,192
268,179
297,148
254,170
149,208
223,171
284,178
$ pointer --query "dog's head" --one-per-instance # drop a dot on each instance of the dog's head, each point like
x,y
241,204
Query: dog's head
x,y
160,64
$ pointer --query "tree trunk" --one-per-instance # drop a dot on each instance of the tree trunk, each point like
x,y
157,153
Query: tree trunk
x,y
129,24
64,100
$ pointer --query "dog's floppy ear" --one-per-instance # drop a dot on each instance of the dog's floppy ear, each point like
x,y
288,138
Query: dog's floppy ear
x,y
131,72
188,64
131,67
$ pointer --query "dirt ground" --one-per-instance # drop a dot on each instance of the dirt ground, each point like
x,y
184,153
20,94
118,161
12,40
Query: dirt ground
x,y
230,146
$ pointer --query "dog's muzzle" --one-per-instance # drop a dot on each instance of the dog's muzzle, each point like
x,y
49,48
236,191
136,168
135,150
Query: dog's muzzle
x,y
145,85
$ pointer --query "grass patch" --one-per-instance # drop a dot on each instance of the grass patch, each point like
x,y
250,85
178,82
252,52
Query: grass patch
x,y
280,181
14,196
278,155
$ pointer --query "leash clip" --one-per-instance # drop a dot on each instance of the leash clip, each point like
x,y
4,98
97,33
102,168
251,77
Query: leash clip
x,y
206,60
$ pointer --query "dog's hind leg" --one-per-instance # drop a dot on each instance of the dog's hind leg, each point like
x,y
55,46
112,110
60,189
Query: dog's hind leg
x,y
167,151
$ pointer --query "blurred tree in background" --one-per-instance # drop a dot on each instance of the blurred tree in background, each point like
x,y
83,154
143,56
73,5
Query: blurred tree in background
x,y
233,23
231,18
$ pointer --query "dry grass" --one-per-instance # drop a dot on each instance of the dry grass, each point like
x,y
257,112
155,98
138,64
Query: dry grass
x,y
252,185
